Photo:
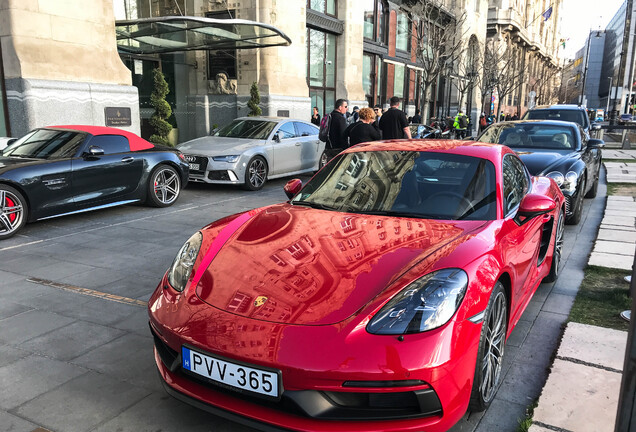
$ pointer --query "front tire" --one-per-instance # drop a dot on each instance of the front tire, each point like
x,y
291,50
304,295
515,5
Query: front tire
x,y
555,266
491,350
13,211
255,174
164,186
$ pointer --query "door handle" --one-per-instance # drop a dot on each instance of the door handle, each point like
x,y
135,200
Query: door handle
x,y
297,144
128,159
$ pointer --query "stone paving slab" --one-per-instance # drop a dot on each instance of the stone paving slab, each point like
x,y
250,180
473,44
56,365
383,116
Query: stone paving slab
x,y
619,220
615,235
622,262
594,345
614,247
619,154
590,400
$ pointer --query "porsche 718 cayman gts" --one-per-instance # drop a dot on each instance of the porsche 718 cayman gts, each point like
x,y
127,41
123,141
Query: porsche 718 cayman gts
x,y
62,170
379,298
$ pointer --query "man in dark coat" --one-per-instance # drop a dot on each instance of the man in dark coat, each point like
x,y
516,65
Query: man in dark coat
x,y
393,122
337,142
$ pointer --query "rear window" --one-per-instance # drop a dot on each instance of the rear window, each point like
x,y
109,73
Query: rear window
x,y
574,116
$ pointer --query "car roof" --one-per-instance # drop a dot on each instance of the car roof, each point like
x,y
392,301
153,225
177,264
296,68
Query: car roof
x,y
136,142
266,118
492,152
559,106
539,122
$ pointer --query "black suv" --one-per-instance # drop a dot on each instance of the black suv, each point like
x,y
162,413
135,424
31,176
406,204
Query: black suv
x,y
572,113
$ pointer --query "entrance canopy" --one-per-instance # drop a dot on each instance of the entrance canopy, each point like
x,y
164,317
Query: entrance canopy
x,y
178,33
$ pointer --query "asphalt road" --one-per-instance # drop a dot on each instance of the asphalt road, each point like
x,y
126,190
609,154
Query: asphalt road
x,y
76,353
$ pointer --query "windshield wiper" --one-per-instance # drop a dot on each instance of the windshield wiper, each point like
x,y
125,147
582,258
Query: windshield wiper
x,y
313,205
395,213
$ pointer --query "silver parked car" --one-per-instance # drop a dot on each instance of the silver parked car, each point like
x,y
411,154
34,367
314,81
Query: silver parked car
x,y
251,150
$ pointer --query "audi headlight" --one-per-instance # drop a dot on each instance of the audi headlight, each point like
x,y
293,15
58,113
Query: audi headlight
x,y
571,179
182,265
425,304
557,177
229,158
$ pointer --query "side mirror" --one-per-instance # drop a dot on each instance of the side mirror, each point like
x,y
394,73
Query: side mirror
x,y
596,126
277,137
533,205
95,151
292,187
595,143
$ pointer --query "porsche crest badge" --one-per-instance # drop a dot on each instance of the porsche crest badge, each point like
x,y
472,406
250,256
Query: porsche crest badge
x,y
260,301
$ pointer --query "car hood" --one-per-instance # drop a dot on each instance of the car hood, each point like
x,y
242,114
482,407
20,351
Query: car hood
x,y
297,265
218,146
7,163
543,162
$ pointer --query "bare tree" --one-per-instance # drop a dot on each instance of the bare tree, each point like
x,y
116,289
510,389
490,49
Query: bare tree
x,y
438,38
467,70
506,65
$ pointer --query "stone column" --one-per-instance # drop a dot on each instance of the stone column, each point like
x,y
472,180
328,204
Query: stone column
x,y
350,46
61,64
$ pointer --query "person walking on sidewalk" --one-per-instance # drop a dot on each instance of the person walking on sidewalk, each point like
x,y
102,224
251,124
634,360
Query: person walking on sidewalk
x,y
364,130
394,124
338,123
460,125
315,117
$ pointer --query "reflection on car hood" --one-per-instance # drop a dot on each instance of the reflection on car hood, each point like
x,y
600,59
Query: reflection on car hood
x,y
543,162
218,146
297,265
7,163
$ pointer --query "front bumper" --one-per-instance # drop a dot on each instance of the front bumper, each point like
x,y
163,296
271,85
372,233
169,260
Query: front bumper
x,y
429,378
210,171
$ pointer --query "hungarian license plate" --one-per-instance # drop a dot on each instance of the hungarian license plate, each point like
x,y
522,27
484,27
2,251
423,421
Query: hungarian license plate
x,y
194,167
239,376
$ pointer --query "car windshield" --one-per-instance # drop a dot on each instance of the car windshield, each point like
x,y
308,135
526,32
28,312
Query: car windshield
x,y
249,129
530,136
46,144
571,115
405,183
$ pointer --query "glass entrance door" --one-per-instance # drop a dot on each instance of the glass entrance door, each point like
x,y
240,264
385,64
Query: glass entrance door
x,y
321,69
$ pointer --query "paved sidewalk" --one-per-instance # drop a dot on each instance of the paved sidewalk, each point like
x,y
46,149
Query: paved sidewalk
x,y
581,393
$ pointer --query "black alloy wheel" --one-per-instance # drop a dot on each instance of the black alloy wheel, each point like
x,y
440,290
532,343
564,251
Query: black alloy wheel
x,y
555,267
255,173
164,186
577,210
13,211
491,350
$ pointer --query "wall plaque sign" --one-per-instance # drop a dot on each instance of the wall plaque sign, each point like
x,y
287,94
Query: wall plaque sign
x,y
117,116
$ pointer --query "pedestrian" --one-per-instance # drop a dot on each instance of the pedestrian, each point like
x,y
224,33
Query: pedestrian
x,y
417,118
364,130
460,125
355,115
378,114
514,116
315,118
507,117
393,123
483,122
336,141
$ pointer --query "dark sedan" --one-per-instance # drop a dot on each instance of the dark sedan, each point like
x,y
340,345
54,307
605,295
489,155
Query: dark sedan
x,y
556,149
62,170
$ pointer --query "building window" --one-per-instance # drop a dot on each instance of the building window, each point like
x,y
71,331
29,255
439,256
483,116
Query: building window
x,y
372,78
403,34
375,19
328,7
321,69
398,81
222,61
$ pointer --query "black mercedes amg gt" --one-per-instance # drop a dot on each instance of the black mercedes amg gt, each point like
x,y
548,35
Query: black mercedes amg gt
x,y
62,170
557,149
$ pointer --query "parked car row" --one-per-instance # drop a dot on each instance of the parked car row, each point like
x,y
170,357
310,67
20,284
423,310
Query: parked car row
x,y
383,291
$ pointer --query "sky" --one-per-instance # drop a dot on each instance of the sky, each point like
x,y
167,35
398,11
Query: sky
x,y
581,16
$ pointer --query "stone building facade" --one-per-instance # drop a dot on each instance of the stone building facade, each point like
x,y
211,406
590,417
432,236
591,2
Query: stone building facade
x,y
61,63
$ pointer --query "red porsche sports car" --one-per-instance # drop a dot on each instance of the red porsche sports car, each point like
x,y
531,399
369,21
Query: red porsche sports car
x,y
379,298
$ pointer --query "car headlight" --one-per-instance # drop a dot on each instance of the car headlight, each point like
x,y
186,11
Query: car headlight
x,y
229,158
571,178
425,304
182,265
557,177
